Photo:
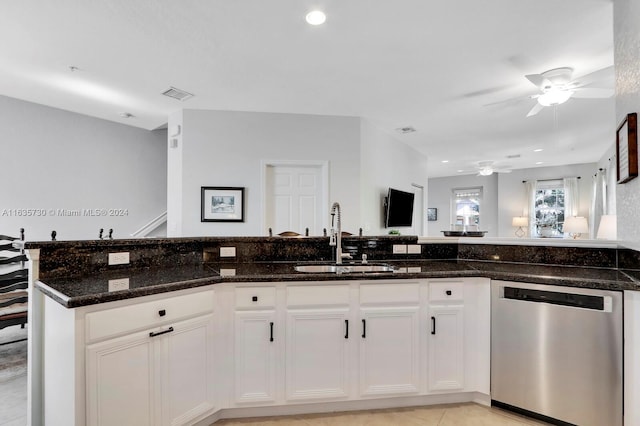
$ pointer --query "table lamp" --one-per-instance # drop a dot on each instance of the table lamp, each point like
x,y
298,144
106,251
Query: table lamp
x,y
520,222
608,228
575,226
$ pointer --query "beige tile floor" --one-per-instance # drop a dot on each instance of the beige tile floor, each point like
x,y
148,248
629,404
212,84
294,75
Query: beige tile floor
x,y
437,415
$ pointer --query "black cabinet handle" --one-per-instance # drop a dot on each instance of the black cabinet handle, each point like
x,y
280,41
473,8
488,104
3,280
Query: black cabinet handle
x,y
448,292
271,327
364,329
346,329
433,325
169,330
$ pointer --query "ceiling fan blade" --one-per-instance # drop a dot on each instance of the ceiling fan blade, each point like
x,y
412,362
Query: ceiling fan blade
x,y
536,109
538,80
598,76
592,93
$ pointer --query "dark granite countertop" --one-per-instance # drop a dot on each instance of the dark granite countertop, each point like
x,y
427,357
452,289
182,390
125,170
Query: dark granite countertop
x,y
74,292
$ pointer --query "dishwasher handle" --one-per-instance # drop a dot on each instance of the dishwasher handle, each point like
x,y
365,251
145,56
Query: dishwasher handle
x,y
555,298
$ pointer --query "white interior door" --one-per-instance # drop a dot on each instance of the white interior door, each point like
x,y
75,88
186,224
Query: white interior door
x,y
295,197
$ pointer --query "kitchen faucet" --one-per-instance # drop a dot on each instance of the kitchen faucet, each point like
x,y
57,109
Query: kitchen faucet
x,y
336,235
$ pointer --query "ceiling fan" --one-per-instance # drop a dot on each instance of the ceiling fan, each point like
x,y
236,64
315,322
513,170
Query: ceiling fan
x,y
557,87
486,168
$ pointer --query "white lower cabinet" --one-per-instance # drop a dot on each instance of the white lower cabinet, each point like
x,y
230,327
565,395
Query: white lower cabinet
x,y
317,357
389,351
155,377
255,357
446,348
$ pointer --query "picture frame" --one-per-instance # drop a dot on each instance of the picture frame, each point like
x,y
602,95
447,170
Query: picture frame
x,y
627,149
221,204
432,214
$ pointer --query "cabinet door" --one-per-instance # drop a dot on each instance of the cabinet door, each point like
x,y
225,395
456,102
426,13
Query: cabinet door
x,y
121,382
317,354
446,348
255,356
389,351
187,371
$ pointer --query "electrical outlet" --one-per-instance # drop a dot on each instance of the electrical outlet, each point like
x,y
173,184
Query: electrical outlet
x,y
227,252
414,249
399,249
414,269
119,284
121,258
227,272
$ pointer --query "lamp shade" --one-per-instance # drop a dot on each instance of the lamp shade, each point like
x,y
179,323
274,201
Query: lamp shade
x,y
520,221
608,228
576,225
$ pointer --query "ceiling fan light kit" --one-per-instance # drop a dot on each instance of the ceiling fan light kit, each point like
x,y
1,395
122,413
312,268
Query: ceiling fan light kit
x,y
554,96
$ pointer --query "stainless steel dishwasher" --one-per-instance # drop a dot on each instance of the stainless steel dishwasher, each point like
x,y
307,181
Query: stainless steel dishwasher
x,y
556,352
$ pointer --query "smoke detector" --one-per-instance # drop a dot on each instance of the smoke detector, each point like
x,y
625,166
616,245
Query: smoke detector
x,y
178,94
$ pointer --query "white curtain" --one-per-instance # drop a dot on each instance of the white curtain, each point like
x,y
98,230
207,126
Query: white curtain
x,y
598,200
571,197
530,206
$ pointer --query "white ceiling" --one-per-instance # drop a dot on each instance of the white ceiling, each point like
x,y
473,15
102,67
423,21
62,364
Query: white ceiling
x,y
433,65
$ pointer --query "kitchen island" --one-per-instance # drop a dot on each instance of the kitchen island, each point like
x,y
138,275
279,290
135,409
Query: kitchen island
x,y
261,338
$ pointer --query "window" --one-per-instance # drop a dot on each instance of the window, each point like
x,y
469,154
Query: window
x,y
549,209
465,206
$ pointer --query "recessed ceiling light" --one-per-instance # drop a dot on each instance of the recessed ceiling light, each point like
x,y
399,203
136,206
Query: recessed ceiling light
x,y
539,162
126,115
316,17
538,150
444,161
460,171
513,156
406,129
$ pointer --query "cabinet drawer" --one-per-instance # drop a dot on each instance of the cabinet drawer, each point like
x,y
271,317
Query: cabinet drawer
x,y
322,295
115,321
392,293
448,291
255,297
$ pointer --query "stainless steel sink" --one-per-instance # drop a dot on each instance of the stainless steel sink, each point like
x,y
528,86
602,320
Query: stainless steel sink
x,y
343,269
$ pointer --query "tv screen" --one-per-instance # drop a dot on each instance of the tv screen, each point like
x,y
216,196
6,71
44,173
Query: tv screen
x,y
399,209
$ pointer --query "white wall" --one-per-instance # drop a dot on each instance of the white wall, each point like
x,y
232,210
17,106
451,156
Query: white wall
x,y
512,198
440,190
225,148
54,159
626,15
387,162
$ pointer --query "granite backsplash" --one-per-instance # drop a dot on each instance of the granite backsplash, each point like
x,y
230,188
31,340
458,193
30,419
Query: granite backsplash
x,y
78,258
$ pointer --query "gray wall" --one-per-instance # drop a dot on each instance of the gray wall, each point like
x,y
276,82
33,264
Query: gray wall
x,y
54,159
440,198
627,57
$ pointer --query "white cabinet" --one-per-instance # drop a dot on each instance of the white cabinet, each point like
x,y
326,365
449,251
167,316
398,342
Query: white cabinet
x,y
446,337
446,348
155,377
389,339
317,344
121,382
256,345
255,357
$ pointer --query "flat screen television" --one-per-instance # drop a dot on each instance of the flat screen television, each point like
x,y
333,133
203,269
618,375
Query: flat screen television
x,y
399,208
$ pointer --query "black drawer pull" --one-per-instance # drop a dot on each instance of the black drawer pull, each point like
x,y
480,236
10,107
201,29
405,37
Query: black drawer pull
x,y
169,330
448,292
271,327
254,299
433,325
346,329
162,312
364,329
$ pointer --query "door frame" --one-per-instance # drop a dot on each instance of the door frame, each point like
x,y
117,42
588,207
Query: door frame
x,y
323,165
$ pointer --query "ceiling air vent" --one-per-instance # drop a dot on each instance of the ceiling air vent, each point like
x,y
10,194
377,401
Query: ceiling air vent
x,y
178,94
407,129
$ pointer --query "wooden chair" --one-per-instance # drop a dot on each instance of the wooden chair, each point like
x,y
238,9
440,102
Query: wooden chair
x,y
13,282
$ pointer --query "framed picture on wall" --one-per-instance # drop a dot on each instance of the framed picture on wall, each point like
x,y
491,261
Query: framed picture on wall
x,y
627,149
432,214
222,204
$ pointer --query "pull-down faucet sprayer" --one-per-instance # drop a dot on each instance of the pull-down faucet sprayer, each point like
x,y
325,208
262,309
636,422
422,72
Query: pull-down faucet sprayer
x,y
336,236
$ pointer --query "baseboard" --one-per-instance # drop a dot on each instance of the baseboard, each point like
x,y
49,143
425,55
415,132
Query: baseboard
x,y
336,406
